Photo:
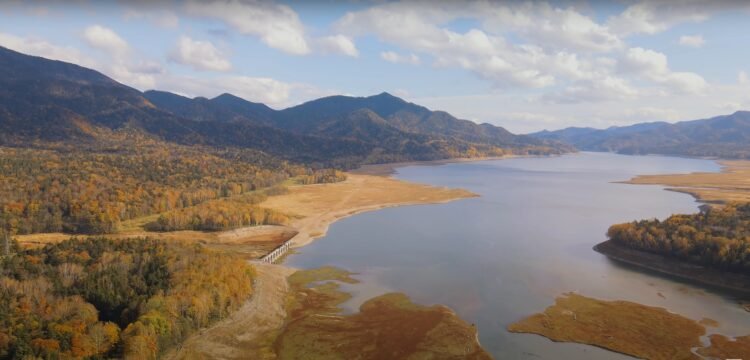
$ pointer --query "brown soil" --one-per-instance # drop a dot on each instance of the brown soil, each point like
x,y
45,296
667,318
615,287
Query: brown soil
x,y
732,184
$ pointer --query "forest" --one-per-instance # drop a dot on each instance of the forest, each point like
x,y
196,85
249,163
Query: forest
x,y
223,214
100,298
718,237
84,192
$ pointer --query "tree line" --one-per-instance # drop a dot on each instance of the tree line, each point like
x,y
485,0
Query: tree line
x,y
717,237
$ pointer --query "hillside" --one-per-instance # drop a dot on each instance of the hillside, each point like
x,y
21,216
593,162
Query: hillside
x,y
44,101
726,136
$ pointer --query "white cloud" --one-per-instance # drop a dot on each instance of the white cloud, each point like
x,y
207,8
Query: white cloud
x,y
43,48
554,27
651,17
742,78
201,55
651,114
415,27
396,58
161,18
105,39
652,65
278,26
694,41
599,89
338,44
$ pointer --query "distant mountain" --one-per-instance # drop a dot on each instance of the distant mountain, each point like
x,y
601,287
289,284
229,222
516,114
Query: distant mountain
x,y
225,107
726,136
404,116
43,100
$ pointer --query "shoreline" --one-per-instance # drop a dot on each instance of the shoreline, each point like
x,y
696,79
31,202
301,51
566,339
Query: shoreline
x,y
389,169
319,206
735,283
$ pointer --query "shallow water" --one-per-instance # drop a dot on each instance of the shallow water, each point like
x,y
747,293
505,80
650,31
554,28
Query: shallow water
x,y
507,254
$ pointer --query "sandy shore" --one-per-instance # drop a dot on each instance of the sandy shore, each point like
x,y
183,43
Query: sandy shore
x,y
315,207
731,184
251,331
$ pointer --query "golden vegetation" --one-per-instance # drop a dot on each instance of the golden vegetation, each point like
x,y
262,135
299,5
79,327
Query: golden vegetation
x,y
387,327
92,192
730,185
101,298
222,214
717,237
725,348
629,328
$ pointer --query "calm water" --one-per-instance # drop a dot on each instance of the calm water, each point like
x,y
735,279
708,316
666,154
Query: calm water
x,y
527,239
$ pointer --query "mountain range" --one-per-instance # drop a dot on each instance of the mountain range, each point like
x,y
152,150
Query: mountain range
x,y
726,136
45,101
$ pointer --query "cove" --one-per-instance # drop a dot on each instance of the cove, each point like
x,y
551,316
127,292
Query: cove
x,y
527,239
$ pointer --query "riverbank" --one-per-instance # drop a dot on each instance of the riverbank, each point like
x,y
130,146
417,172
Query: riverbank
x,y
389,169
266,326
729,185
313,208
728,281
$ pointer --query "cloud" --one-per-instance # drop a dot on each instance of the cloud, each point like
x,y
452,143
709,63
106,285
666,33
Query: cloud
x,y
396,58
338,44
415,27
651,17
553,27
278,26
742,78
651,114
606,88
201,55
694,41
105,39
161,18
43,48
652,65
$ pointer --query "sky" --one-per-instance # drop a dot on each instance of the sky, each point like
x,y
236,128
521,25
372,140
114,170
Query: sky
x,y
526,66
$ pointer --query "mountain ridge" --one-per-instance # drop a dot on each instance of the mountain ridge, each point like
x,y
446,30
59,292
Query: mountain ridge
x,y
723,136
46,100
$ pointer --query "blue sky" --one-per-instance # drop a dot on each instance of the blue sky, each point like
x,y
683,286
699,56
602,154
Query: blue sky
x,y
526,66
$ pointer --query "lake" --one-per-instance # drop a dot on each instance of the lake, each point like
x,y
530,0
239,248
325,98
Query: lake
x,y
507,254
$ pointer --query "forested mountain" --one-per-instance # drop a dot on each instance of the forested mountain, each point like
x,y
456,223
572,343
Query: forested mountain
x,y
402,115
726,136
45,100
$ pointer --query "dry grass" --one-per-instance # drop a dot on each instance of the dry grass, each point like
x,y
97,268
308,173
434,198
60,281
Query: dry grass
x,y
725,348
315,207
629,328
387,327
621,326
732,184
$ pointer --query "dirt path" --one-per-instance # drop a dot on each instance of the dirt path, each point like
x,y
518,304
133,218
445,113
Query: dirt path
x,y
249,332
